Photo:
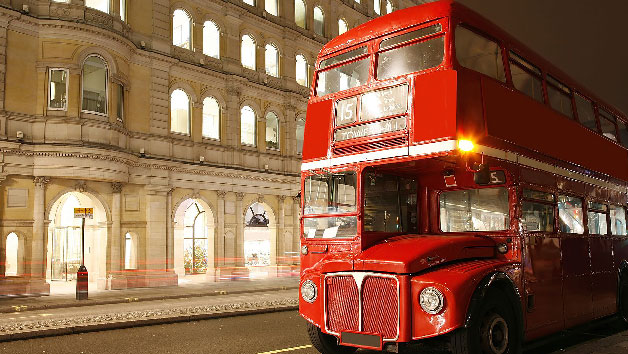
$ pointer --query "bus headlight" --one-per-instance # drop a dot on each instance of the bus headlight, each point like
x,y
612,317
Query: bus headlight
x,y
431,300
308,291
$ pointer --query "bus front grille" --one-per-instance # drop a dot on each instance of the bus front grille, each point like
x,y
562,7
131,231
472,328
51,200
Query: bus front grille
x,y
342,304
379,306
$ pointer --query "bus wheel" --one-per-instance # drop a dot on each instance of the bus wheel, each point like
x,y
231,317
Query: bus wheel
x,y
325,343
494,330
623,299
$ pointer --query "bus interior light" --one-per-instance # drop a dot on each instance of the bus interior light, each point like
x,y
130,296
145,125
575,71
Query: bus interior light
x,y
465,145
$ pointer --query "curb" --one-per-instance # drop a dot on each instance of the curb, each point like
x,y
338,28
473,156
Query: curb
x,y
138,323
139,299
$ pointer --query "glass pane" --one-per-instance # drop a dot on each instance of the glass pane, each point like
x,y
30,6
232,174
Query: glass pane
x,y
586,114
377,6
271,60
330,193
249,2
618,220
211,118
247,126
389,203
188,255
211,40
526,82
95,85
248,52
474,210
123,10
58,89
389,7
300,135
570,215
342,26
538,195
597,223
384,103
179,112
299,13
11,255
301,70
330,227
200,255
319,21
411,58
622,129
607,123
272,131
597,206
480,54
537,217
271,7
181,26
371,129
343,77
100,5
343,57
560,100
406,37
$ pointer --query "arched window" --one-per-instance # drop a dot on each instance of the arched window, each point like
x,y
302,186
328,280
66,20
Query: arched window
x,y
211,39
319,21
12,248
123,10
95,77
100,5
195,240
301,70
247,52
271,7
130,251
299,13
389,7
272,60
181,29
342,26
179,112
377,6
211,118
272,131
300,135
247,126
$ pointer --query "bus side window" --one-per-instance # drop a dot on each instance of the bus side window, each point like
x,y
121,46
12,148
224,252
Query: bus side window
x,y
622,130
596,218
559,96
618,220
586,114
570,217
537,211
475,52
607,123
526,77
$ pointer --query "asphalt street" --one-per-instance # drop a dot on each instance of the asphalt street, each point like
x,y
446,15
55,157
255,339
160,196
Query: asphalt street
x,y
272,333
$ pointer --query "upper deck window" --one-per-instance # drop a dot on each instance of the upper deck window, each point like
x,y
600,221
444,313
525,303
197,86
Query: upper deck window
x,y
586,113
345,76
478,53
410,52
526,77
475,210
622,130
559,96
607,123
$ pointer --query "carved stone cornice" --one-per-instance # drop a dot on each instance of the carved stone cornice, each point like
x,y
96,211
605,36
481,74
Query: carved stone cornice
x,y
221,194
41,181
239,196
116,187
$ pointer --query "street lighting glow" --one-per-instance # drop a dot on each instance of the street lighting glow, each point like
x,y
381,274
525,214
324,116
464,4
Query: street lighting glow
x,y
465,145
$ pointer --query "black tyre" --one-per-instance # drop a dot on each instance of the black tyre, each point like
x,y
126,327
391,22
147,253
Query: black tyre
x,y
325,343
494,330
623,299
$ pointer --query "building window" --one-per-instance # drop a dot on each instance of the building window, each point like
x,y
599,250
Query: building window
x,y
195,240
272,131
247,52
301,70
299,13
123,10
95,78
12,248
342,26
377,6
211,118
272,60
120,102
271,7
300,135
179,112
130,251
249,2
181,29
100,5
319,21
389,7
211,40
58,86
247,126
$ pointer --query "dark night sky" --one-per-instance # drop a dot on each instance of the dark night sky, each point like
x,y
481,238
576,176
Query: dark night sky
x,y
587,39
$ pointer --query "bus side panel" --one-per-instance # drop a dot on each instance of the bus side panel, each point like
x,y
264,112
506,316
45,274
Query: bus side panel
x,y
317,130
518,119
434,112
470,110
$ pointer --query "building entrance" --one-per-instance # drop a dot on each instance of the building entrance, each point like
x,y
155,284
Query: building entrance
x,y
66,253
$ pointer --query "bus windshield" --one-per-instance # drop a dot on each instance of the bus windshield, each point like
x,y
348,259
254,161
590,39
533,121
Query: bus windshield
x,y
474,210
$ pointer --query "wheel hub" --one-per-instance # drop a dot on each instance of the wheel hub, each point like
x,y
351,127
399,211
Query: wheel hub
x,y
494,334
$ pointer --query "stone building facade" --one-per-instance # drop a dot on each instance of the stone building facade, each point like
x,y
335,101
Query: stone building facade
x,y
119,106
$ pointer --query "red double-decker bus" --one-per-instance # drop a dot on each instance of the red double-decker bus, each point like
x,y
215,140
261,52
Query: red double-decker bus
x,y
456,185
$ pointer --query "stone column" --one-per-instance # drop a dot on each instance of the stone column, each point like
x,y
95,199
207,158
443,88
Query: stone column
x,y
296,225
239,244
282,246
116,246
3,246
220,233
36,265
156,237
169,233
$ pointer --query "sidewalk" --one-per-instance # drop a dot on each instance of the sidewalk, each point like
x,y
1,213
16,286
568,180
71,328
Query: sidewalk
x,y
29,317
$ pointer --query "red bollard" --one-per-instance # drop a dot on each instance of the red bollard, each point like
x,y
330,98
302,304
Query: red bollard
x,y
81,283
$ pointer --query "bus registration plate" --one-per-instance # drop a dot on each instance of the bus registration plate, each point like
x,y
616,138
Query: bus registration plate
x,y
369,341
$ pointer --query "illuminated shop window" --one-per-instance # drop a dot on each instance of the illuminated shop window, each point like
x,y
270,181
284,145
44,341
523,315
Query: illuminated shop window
x,y
272,131
272,60
342,26
299,13
211,118
247,126
95,78
301,70
130,251
12,248
181,29
319,21
247,52
58,86
179,112
195,240
211,39
100,5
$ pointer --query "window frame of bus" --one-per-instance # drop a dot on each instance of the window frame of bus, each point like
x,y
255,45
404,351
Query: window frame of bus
x,y
604,114
553,82
500,44
582,208
321,69
532,199
528,67
444,32
623,141
618,206
584,97
593,206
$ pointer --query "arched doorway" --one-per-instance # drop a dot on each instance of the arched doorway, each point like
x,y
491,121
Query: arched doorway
x,y
260,241
64,243
12,256
194,241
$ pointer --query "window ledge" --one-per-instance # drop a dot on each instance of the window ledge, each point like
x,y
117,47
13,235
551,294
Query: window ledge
x,y
95,116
